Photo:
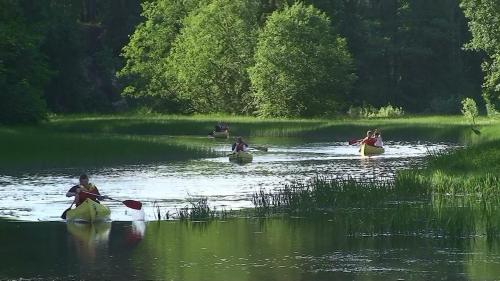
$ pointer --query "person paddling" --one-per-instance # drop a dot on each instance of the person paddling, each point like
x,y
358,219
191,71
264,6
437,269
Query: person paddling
x,y
239,145
221,127
84,190
369,139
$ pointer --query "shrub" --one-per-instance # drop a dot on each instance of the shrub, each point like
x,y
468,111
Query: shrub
x,y
469,110
368,111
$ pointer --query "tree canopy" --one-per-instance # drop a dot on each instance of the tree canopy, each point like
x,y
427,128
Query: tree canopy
x,y
302,68
484,24
272,58
210,57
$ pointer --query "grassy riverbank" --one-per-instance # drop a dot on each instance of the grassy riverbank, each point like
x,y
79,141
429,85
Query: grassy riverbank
x,y
437,128
38,148
465,177
101,140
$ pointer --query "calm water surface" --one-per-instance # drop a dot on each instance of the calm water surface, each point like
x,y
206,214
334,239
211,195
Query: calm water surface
x,y
39,196
238,249
407,241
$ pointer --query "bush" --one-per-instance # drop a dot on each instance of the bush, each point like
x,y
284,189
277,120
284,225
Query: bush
x,y
469,110
390,111
302,66
369,111
490,109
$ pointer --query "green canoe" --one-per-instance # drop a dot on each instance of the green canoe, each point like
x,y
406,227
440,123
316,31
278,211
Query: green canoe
x,y
221,135
368,150
241,157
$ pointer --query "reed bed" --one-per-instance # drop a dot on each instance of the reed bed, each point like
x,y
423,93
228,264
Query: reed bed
x,y
329,194
429,128
199,210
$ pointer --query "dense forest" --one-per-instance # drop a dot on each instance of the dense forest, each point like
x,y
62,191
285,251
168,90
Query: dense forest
x,y
261,57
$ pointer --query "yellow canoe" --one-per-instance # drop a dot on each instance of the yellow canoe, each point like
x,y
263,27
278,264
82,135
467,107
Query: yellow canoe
x,y
89,211
241,157
368,150
221,135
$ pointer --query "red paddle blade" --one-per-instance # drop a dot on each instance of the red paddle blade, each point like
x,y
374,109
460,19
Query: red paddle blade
x,y
353,141
133,204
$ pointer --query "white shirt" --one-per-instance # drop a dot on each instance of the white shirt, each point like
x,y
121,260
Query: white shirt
x,y
379,142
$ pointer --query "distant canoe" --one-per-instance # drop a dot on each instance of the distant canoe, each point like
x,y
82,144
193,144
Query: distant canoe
x,y
368,150
221,135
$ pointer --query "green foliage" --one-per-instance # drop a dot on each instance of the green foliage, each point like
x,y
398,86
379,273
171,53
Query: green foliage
x,y
469,110
319,195
145,70
199,210
302,68
407,52
68,88
390,111
23,68
484,23
429,128
210,57
368,111
57,55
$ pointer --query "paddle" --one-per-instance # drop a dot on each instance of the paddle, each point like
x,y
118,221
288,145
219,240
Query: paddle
x,y
261,148
132,204
63,216
354,141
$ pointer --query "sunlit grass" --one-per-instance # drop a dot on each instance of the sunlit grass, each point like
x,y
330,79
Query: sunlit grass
x,y
436,128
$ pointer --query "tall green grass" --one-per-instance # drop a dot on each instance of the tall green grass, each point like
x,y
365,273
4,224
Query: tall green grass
x,y
433,128
328,194
389,207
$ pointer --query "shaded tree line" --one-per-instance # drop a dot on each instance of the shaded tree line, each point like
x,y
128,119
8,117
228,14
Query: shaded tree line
x,y
61,56
264,57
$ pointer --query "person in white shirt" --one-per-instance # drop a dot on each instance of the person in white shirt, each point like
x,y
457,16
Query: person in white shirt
x,y
378,142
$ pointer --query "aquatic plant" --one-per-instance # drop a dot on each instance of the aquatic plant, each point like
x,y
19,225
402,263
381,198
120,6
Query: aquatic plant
x,y
322,194
198,209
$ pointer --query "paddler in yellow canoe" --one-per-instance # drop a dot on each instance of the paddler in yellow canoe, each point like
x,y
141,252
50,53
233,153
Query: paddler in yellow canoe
x,y
84,190
239,145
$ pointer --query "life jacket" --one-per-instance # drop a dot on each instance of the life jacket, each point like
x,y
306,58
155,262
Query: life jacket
x,y
82,196
240,147
369,141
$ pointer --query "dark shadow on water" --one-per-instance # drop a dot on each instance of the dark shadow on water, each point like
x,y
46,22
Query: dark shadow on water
x,y
406,241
